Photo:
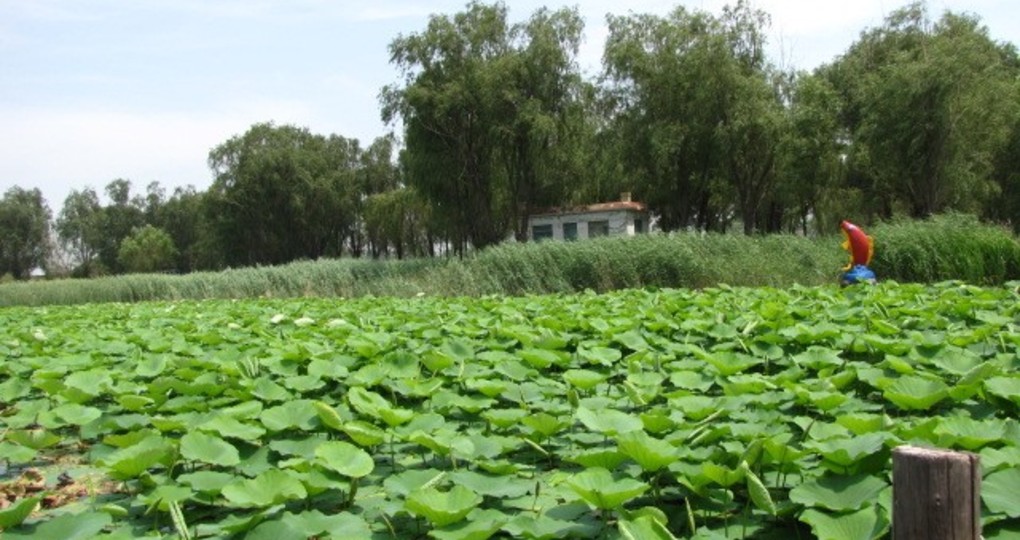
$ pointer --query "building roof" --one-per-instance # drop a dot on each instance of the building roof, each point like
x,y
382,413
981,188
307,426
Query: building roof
x,y
614,206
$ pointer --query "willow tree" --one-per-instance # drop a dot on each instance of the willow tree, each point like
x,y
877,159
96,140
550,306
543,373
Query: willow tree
x,y
485,107
698,111
927,106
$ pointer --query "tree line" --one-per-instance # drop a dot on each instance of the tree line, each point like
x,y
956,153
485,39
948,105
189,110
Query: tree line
x,y
494,119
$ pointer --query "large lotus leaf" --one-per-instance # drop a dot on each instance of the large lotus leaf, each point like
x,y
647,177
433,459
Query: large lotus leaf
x,y
500,487
35,439
345,458
727,362
543,527
969,433
480,525
848,451
608,421
404,483
585,379
271,487
70,414
598,457
328,415
541,358
198,446
603,356
1005,387
297,414
132,461
372,404
206,481
229,426
340,525
90,383
838,493
916,393
165,495
599,489
303,448
865,524
650,453
544,424
18,512
999,492
85,526
363,433
993,459
644,527
722,475
442,508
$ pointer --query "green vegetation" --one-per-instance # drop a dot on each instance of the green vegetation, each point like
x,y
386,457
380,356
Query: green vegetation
x,y
722,412
918,117
947,247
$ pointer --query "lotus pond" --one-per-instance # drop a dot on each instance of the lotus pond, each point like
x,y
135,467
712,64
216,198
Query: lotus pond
x,y
719,413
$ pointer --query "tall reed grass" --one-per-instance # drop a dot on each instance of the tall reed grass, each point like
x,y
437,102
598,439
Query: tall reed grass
x,y
945,247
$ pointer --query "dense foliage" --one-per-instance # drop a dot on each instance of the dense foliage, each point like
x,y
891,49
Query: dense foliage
x,y
720,413
944,248
494,119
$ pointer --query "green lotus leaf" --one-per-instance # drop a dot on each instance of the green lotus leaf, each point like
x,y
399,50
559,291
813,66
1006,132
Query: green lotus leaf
x,y
135,403
16,453
313,523
504,418
18,512
272,487
363,433
999,492
839,493
599,489
1005,387
603,356
650,453
402,484
442,508
35,439
91,383
598,457
163,496
328,415
541,358
544,424
345,458
865,524
916,393
722,475
584,379
608,421
198,446
848,451
543,527
228,426
480,525
132,461
298,414
500,487
372,404
206,481
968,433
151,366
644,527
83,526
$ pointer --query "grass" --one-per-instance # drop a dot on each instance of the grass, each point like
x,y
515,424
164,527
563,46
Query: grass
x,y
943,248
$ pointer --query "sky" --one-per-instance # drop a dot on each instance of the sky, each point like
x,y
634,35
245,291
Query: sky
x,y
96,90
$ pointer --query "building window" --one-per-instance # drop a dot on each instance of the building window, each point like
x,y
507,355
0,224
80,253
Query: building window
x,y
639,226
598,228
541,232
570,230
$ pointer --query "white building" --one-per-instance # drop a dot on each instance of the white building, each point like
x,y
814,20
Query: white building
x,y
623,217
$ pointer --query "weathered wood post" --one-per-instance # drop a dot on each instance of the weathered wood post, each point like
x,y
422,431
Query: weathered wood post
x,y
936,494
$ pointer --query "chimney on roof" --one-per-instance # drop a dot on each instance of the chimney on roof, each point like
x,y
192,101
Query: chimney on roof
x,y
625,196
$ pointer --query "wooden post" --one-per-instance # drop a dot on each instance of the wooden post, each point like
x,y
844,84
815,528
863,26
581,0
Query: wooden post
x,y
936,494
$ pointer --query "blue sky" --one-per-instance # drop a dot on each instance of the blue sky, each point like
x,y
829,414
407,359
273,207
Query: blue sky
x,y
94,90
